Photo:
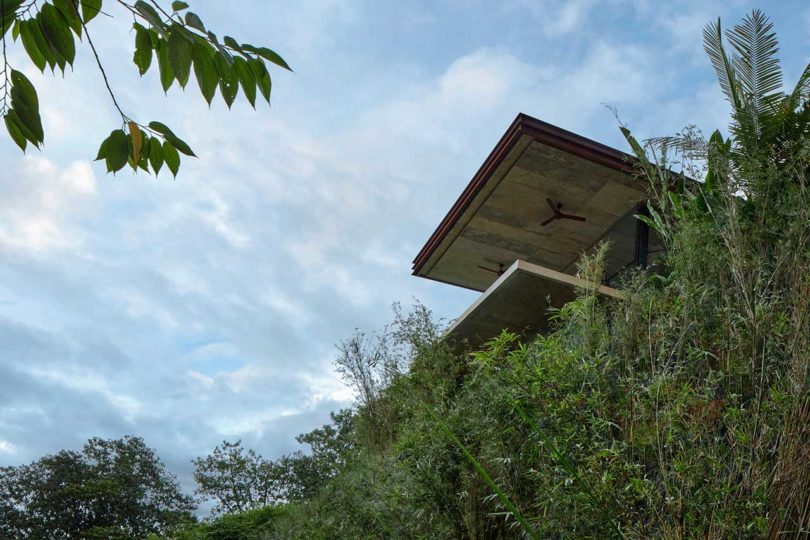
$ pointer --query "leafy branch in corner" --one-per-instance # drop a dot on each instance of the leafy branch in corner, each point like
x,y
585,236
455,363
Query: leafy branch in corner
x,y
177,41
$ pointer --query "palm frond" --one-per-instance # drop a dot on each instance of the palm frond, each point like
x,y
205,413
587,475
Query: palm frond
x,y
755,63
800,93
713,45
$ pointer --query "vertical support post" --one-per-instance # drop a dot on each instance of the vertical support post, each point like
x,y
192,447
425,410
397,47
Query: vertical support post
x,y
642,237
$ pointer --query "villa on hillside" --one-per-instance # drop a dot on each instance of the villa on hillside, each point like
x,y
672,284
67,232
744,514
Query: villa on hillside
x,y
542,198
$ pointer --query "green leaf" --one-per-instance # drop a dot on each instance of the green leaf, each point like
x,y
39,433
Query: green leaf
x,y
90,9
207,78
8,12
228,79
8,22
58,58
143,49
15,118
175,141
30,45
117,150
10,7
155,155
194,21
160,127
15,30
23,90
42,45
171,157
177,5
166,73
102,150
25,103
15,133
57,32
151,16
273,57
247,79
262,77
68,9
230,42
145,146
180,55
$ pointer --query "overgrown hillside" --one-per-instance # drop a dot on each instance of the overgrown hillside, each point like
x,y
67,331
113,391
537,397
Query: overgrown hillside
x,y
680,412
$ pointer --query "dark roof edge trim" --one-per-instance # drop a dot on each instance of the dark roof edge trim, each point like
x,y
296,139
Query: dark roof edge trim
x,y
542,132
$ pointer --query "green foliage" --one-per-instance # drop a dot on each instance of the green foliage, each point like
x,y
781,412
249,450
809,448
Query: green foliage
x,y
238,479
253,524
680,411
177,39
112,489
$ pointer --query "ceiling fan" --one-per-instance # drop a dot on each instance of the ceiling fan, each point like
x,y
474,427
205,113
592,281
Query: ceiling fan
x,y
499,271
559,215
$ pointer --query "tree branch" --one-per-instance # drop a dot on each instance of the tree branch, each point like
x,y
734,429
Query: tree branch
x,y
124,117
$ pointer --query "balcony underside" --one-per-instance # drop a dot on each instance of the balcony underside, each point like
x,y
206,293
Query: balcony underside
x,y
518,301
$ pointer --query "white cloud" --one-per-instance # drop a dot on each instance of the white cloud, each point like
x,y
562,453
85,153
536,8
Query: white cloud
x,y
39,202
555,17
7,448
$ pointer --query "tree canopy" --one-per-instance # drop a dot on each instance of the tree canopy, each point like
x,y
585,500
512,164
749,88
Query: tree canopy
x,y
173,40
112,489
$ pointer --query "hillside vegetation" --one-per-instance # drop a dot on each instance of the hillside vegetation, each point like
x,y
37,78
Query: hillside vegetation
x,y
680,411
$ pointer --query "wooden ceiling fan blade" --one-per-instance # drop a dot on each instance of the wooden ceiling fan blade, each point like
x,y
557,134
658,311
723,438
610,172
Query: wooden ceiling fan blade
x,y
549,220
551,204
571,217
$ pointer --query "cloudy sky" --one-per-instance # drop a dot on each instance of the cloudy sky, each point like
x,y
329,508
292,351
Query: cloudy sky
x,y
206,308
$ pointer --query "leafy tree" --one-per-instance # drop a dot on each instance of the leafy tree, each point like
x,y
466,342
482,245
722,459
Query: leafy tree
x,y
174,39
112,489
253,524
330,447
238,479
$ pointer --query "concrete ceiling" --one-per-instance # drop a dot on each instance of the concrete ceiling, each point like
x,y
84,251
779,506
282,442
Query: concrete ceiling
x,y
501,220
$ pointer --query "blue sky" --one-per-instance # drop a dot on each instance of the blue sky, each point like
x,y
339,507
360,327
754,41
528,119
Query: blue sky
x,y
206,308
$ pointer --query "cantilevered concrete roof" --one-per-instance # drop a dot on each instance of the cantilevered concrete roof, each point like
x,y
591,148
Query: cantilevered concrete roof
x,y
497,219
